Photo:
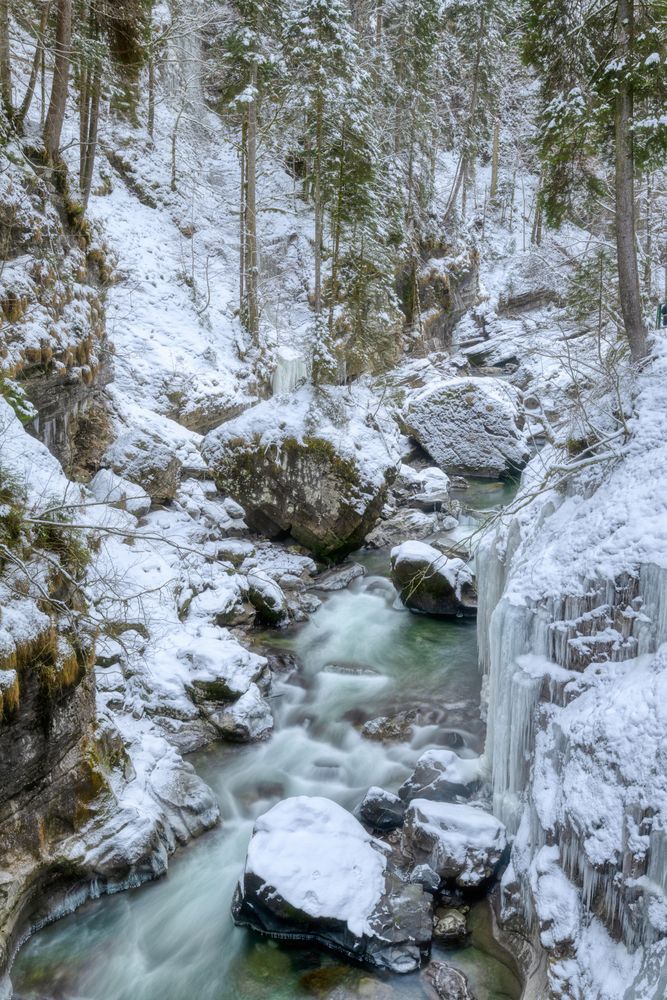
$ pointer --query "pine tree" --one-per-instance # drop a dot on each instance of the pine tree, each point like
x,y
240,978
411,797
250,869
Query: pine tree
x,y
604,88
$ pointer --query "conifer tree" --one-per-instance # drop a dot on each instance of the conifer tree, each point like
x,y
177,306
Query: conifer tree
x,y
604,88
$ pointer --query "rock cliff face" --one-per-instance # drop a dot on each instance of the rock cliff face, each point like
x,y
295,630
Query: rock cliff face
x,y
572,626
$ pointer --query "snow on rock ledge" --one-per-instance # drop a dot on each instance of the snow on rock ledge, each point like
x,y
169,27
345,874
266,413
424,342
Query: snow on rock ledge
x,y
315,464
313,873
470,425
430,583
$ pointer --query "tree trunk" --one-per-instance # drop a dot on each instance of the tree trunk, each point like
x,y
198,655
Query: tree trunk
x,y
22,113
151,96
628,270
318,212
91,135
495,161
58,101
242,222
462,170
252,297
5,59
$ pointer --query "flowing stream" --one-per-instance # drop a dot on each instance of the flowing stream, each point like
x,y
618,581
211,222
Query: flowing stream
x,y
359,657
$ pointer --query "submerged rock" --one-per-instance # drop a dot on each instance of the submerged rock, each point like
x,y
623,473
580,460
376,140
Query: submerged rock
x,y
315,465
441,775
390,728
468,425
381,810
312,873
430,583
463,844
443,982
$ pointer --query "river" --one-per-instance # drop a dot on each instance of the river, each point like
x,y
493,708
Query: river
x,y
359,657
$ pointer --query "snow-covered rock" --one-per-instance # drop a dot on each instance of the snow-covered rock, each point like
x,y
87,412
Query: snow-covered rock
x,y
381,810
109,488
247,719
146,460
470,425
313,873
267,599
430,583
462,843
316,464
442,775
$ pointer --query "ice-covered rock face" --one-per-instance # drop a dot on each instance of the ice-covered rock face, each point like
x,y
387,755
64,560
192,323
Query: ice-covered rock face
x,y
313,873
463,844
314,464
470,425
430,583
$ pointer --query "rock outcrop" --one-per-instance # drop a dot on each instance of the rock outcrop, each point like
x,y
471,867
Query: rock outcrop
x,y
312,873
430,583
298,467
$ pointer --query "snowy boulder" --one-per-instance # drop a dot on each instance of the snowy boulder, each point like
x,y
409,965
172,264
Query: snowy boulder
x,y
316,465
247,719
441,775
432,584
267,599
145,460
109,488
470,425
312,873
221,669
463,844
381,810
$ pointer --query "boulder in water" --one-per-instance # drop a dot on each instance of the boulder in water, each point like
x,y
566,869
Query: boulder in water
x,y
313,873
432,584
316,464
381,810
472,426
442,775
444,982
463,844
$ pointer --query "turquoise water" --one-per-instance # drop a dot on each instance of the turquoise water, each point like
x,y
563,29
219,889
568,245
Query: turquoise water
x,y
361,657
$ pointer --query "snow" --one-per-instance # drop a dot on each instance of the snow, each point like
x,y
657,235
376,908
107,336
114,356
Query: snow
x,y
320,860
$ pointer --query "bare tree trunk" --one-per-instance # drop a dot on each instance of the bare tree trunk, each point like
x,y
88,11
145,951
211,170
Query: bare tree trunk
x,y
84,114
58,101
151,96
495,161
252,270
462,170
91,135
628,270
5,60
242,219
318,213
22,113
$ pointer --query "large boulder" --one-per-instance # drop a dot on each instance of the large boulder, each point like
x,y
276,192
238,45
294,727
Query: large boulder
x,y
316,465
430,583
442,775
312,873
381,810
463,844
144,459
470,426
